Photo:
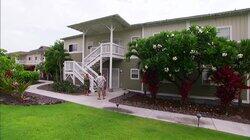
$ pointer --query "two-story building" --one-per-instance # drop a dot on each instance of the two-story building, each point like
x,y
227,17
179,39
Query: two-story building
x,y
104,41
31,58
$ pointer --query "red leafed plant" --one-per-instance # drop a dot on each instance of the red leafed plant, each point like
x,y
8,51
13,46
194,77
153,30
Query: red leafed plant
x,y
229,84
151,78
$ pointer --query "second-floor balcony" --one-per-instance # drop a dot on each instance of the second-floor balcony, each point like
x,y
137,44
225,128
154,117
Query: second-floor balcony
x,y
104,50
29,62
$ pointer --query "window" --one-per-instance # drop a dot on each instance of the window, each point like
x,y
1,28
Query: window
x,y
73,47
205,77
29,58
134,74
155,33
35,58
134,38
224,32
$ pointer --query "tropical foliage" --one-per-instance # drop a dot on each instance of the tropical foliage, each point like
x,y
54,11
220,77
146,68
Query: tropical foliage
x,y
55,57
13,78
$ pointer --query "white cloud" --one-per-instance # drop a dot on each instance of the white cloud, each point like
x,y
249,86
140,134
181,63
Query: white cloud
x,y
27,24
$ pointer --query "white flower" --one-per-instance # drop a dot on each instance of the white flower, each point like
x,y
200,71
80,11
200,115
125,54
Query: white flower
x,y
203,66
177,70
166,69
167,35
240,55
208,44
193,52
172,35
224,54
154,46
174,58
159,45
214,68
134,51
146,67
200,31
170,75
136,45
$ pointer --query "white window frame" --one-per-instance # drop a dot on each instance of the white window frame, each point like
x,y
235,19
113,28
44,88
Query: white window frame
x,y
131,38
77,51
227,26
156,33
131,74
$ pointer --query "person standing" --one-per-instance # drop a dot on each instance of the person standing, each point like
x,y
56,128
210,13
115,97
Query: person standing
x,y
100,81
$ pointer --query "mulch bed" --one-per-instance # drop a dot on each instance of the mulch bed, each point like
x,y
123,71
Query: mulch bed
x,y
49,87
29,99
191,108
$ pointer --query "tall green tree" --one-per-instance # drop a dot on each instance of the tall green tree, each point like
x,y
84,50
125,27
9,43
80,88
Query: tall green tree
x,y
54,59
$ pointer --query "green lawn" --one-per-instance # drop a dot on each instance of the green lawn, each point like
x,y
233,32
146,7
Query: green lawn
x,y
72,121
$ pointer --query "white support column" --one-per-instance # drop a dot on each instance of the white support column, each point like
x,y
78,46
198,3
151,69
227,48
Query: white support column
x,y
111,57
142,36
83,46
248,26
101,61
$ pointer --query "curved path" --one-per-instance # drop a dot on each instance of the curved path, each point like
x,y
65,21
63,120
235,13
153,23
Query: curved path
x,y
211,123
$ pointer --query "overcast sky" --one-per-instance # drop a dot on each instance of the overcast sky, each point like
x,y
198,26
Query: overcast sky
x,y
28,24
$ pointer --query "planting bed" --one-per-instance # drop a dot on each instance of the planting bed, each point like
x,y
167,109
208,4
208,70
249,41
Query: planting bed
x,y
174,105
49,87
29,99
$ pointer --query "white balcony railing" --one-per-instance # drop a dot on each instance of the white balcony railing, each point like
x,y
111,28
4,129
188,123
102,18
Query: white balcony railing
x,y
104,50
27,62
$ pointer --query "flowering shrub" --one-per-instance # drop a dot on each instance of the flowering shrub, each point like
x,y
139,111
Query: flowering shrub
x,y
178,56
229,83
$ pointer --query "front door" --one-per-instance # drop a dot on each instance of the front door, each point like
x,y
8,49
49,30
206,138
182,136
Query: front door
x,y
115,77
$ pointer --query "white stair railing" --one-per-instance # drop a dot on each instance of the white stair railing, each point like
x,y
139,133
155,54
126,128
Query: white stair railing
x,y
74,68
79,69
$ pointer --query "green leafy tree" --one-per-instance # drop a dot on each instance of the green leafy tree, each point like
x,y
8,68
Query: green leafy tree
x,y
55,57
2,52
178,56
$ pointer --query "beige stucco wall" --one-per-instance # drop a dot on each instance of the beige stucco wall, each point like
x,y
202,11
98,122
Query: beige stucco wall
x,y
238,23
151,30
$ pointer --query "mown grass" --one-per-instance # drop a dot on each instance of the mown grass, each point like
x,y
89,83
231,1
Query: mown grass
x,y
71,121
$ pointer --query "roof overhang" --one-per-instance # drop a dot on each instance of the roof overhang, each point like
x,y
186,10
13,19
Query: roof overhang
x,y
98,26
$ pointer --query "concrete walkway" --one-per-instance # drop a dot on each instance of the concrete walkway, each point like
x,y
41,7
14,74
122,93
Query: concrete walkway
x,y
211,123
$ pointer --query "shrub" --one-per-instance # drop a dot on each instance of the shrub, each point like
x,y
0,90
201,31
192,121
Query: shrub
x,y
64,86
27,76
229,84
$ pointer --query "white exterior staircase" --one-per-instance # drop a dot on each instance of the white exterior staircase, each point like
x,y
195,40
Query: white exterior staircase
x,y
102,53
